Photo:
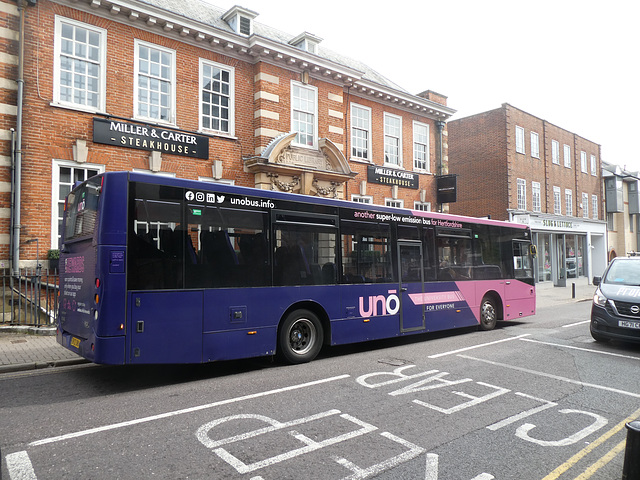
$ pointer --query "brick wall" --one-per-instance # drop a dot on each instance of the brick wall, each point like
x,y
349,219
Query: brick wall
x,y
262,110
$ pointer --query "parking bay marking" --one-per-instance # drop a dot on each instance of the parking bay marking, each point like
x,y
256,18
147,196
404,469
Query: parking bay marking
x,y
554,377
571,347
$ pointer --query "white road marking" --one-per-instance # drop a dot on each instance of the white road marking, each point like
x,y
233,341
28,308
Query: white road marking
x,y
577,323
590,350
183,411
19,466
453,352
554,377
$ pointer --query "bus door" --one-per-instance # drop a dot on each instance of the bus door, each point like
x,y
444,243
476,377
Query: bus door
x,y
519,295
165,327
411,286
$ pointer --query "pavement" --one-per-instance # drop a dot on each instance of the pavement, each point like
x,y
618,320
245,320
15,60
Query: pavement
x,y
29,348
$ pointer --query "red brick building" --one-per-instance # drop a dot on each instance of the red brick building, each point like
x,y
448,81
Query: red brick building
x,y
514,166
183,88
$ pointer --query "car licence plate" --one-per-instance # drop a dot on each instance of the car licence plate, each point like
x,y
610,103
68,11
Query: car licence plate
x,y
627,324
75,342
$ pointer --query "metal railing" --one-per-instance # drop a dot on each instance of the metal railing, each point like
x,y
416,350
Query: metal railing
x,y
30,297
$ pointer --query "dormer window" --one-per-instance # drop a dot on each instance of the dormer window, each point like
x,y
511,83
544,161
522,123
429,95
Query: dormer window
x,y
240,20
306,41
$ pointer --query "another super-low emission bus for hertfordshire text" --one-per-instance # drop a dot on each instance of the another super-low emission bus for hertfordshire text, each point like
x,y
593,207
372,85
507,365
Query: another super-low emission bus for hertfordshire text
x,y
167,270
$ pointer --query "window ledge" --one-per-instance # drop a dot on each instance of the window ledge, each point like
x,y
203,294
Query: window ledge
x,y
78,108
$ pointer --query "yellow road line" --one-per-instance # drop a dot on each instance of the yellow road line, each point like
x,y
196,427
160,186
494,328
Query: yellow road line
x,y
592,446
611,454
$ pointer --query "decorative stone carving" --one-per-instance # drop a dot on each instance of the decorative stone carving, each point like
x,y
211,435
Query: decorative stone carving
x,y
332,189
282,186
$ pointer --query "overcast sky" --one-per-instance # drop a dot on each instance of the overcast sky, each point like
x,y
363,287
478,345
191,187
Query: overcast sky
x,y
573,63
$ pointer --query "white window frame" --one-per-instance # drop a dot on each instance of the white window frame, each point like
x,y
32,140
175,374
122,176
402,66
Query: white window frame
x,y
594,206
389,136
366,199
594,167
425,144
101,62
583,161
355,126
535,145
536,196
520,146
394,203
585,205
171,80
312,112
522,194
555,152
231,130
422,206
557,201
568,202
567,155
55,190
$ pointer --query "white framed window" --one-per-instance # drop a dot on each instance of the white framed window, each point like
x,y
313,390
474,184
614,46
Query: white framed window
x,y
535,145
568,202
535,196
392,202
567,156
585,205
217,97
65,175
520,148
557,201
583,161
594,166
421,147
304,114
555,152
362,199
155,84
522,194
392,140
360,133
422,206
594,206
79,72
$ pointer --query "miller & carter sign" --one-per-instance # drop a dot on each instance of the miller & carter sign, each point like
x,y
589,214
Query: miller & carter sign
x,y
147,137
392,176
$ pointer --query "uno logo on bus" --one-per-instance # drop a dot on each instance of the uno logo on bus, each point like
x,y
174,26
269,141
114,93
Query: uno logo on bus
x,y
380,305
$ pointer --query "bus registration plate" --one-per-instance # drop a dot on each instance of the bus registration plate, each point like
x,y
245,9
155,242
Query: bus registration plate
x,y
627,324
75,342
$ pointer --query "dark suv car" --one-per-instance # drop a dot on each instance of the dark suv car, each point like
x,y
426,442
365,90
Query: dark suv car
x,y
615,313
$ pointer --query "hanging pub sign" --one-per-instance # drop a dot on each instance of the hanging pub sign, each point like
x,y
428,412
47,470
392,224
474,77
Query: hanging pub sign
x,y
148,137
392,176
446,187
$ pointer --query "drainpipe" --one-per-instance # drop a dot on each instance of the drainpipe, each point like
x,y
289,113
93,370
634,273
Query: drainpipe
x,y
17,160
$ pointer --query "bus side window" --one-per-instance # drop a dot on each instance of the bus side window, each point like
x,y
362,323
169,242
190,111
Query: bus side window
x,y
366,253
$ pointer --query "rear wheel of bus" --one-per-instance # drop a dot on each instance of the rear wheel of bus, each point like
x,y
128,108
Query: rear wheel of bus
x,y
300,337
488,313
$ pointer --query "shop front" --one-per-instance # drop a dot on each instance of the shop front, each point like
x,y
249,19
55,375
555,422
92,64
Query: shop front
x,y
568,247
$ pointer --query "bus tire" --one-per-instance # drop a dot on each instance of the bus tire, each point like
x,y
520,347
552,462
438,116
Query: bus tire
x,y
300,337
488,314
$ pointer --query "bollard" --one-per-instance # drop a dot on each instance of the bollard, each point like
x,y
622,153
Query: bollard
x,y
573,290
631,467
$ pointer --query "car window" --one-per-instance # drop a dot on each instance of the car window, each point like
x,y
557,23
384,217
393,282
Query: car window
x,y
624,273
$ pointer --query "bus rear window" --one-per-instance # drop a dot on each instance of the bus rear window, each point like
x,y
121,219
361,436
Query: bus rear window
x,y
82,210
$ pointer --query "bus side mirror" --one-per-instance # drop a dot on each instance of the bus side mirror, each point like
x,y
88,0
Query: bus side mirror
x,y
533,250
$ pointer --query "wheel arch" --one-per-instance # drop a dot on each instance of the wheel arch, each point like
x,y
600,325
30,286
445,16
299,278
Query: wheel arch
x,y
497,301
315,308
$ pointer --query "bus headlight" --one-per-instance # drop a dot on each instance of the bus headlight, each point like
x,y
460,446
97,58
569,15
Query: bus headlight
x,y
599,298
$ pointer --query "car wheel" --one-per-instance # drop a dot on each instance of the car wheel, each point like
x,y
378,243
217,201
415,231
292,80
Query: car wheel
x,y
300,337
488,314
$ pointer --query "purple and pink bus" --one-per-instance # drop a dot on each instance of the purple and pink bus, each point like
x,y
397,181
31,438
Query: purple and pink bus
x,y
167,270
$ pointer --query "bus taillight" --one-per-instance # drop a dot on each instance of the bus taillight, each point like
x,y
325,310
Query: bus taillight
x,y
97,283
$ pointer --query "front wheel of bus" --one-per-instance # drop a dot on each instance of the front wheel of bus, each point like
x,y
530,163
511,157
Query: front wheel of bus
x,y
488,314
300,337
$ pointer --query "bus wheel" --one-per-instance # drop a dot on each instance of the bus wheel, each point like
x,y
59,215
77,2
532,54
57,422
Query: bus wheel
x,y
488,314
300,337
